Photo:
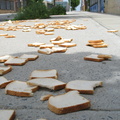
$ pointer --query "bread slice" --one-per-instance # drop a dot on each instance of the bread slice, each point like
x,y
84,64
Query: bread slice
x,y
45,97
7,114
49,29
52,73
68,45
40,31
19,88
29,57
4,82
49,83
46,46
59,49
83,86
10,36
5,34
5,69
57,42
91,44
95,41
49,33
93,57
69,102
100,46
35,44
112,31
104,56
47,51
56,39
4,58
16,61
67,40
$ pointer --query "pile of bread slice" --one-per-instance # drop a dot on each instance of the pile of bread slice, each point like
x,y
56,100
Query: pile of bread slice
x,y
70,101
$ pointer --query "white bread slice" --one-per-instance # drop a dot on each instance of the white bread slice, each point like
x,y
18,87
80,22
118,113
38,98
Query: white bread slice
x,y
46,46
83,86
16,61
5,34
47,51
52,73
57,42
69,102
4,82
19,88
49,33
45,97
49,83
95,41
7,114
100,46
112,31
5,69
59,49
35,44
10,36
104,56
40,31
93,57
91,44
29,56
67,40
4,58
68,44
49,29
26,30
56,39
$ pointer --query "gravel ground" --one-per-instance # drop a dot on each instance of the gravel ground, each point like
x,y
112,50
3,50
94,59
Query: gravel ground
x,y
105,103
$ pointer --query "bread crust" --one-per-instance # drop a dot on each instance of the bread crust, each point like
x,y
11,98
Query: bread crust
x,y
100,46
95,41
13,116
5,84
5,71
68,109
63,45
93,59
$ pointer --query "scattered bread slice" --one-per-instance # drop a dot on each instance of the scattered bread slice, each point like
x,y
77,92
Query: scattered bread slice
x,y
46,46
93,57
91,44
59,49
95,41
57,42
49,33
112,31
68,44
7,114
4,34
35,44
52,73
56,39
47,51
16,61
29,57
100,46
49,29
4,82
5,69
40,31
49,83
83,86
26,30
69,102
67,40
10,36
19,88
45,97
4,58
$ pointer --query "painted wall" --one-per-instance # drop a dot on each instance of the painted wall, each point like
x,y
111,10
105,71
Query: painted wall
x,y
112,6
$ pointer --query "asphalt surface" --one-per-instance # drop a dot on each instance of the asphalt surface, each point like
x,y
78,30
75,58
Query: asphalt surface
x,y
105,103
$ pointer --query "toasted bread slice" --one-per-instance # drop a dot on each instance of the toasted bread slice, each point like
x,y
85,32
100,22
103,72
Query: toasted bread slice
x,y
4,82
7,114
16,61
93,57
19,88
100,46
29,57
83,86
69,102
47,51
46,46
52,73
4,58
49,33
5,69
35,44
45,97
95,41
68,45
59,49
104,56
49,83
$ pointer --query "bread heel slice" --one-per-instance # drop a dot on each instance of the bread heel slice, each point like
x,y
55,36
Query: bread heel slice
x,y
69,102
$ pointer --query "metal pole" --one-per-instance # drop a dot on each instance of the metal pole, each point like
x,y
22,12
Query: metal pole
x,y
70,5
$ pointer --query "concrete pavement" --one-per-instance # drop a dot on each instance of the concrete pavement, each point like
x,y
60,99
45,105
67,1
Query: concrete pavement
x,y
105,103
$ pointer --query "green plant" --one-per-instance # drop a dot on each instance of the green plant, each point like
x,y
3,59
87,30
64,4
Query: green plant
x,y
32,11
57,10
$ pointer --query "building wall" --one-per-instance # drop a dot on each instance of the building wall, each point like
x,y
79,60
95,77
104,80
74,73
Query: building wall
x,y
112,6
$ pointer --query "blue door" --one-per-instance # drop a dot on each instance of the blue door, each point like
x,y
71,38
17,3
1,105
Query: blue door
x,y
101,5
